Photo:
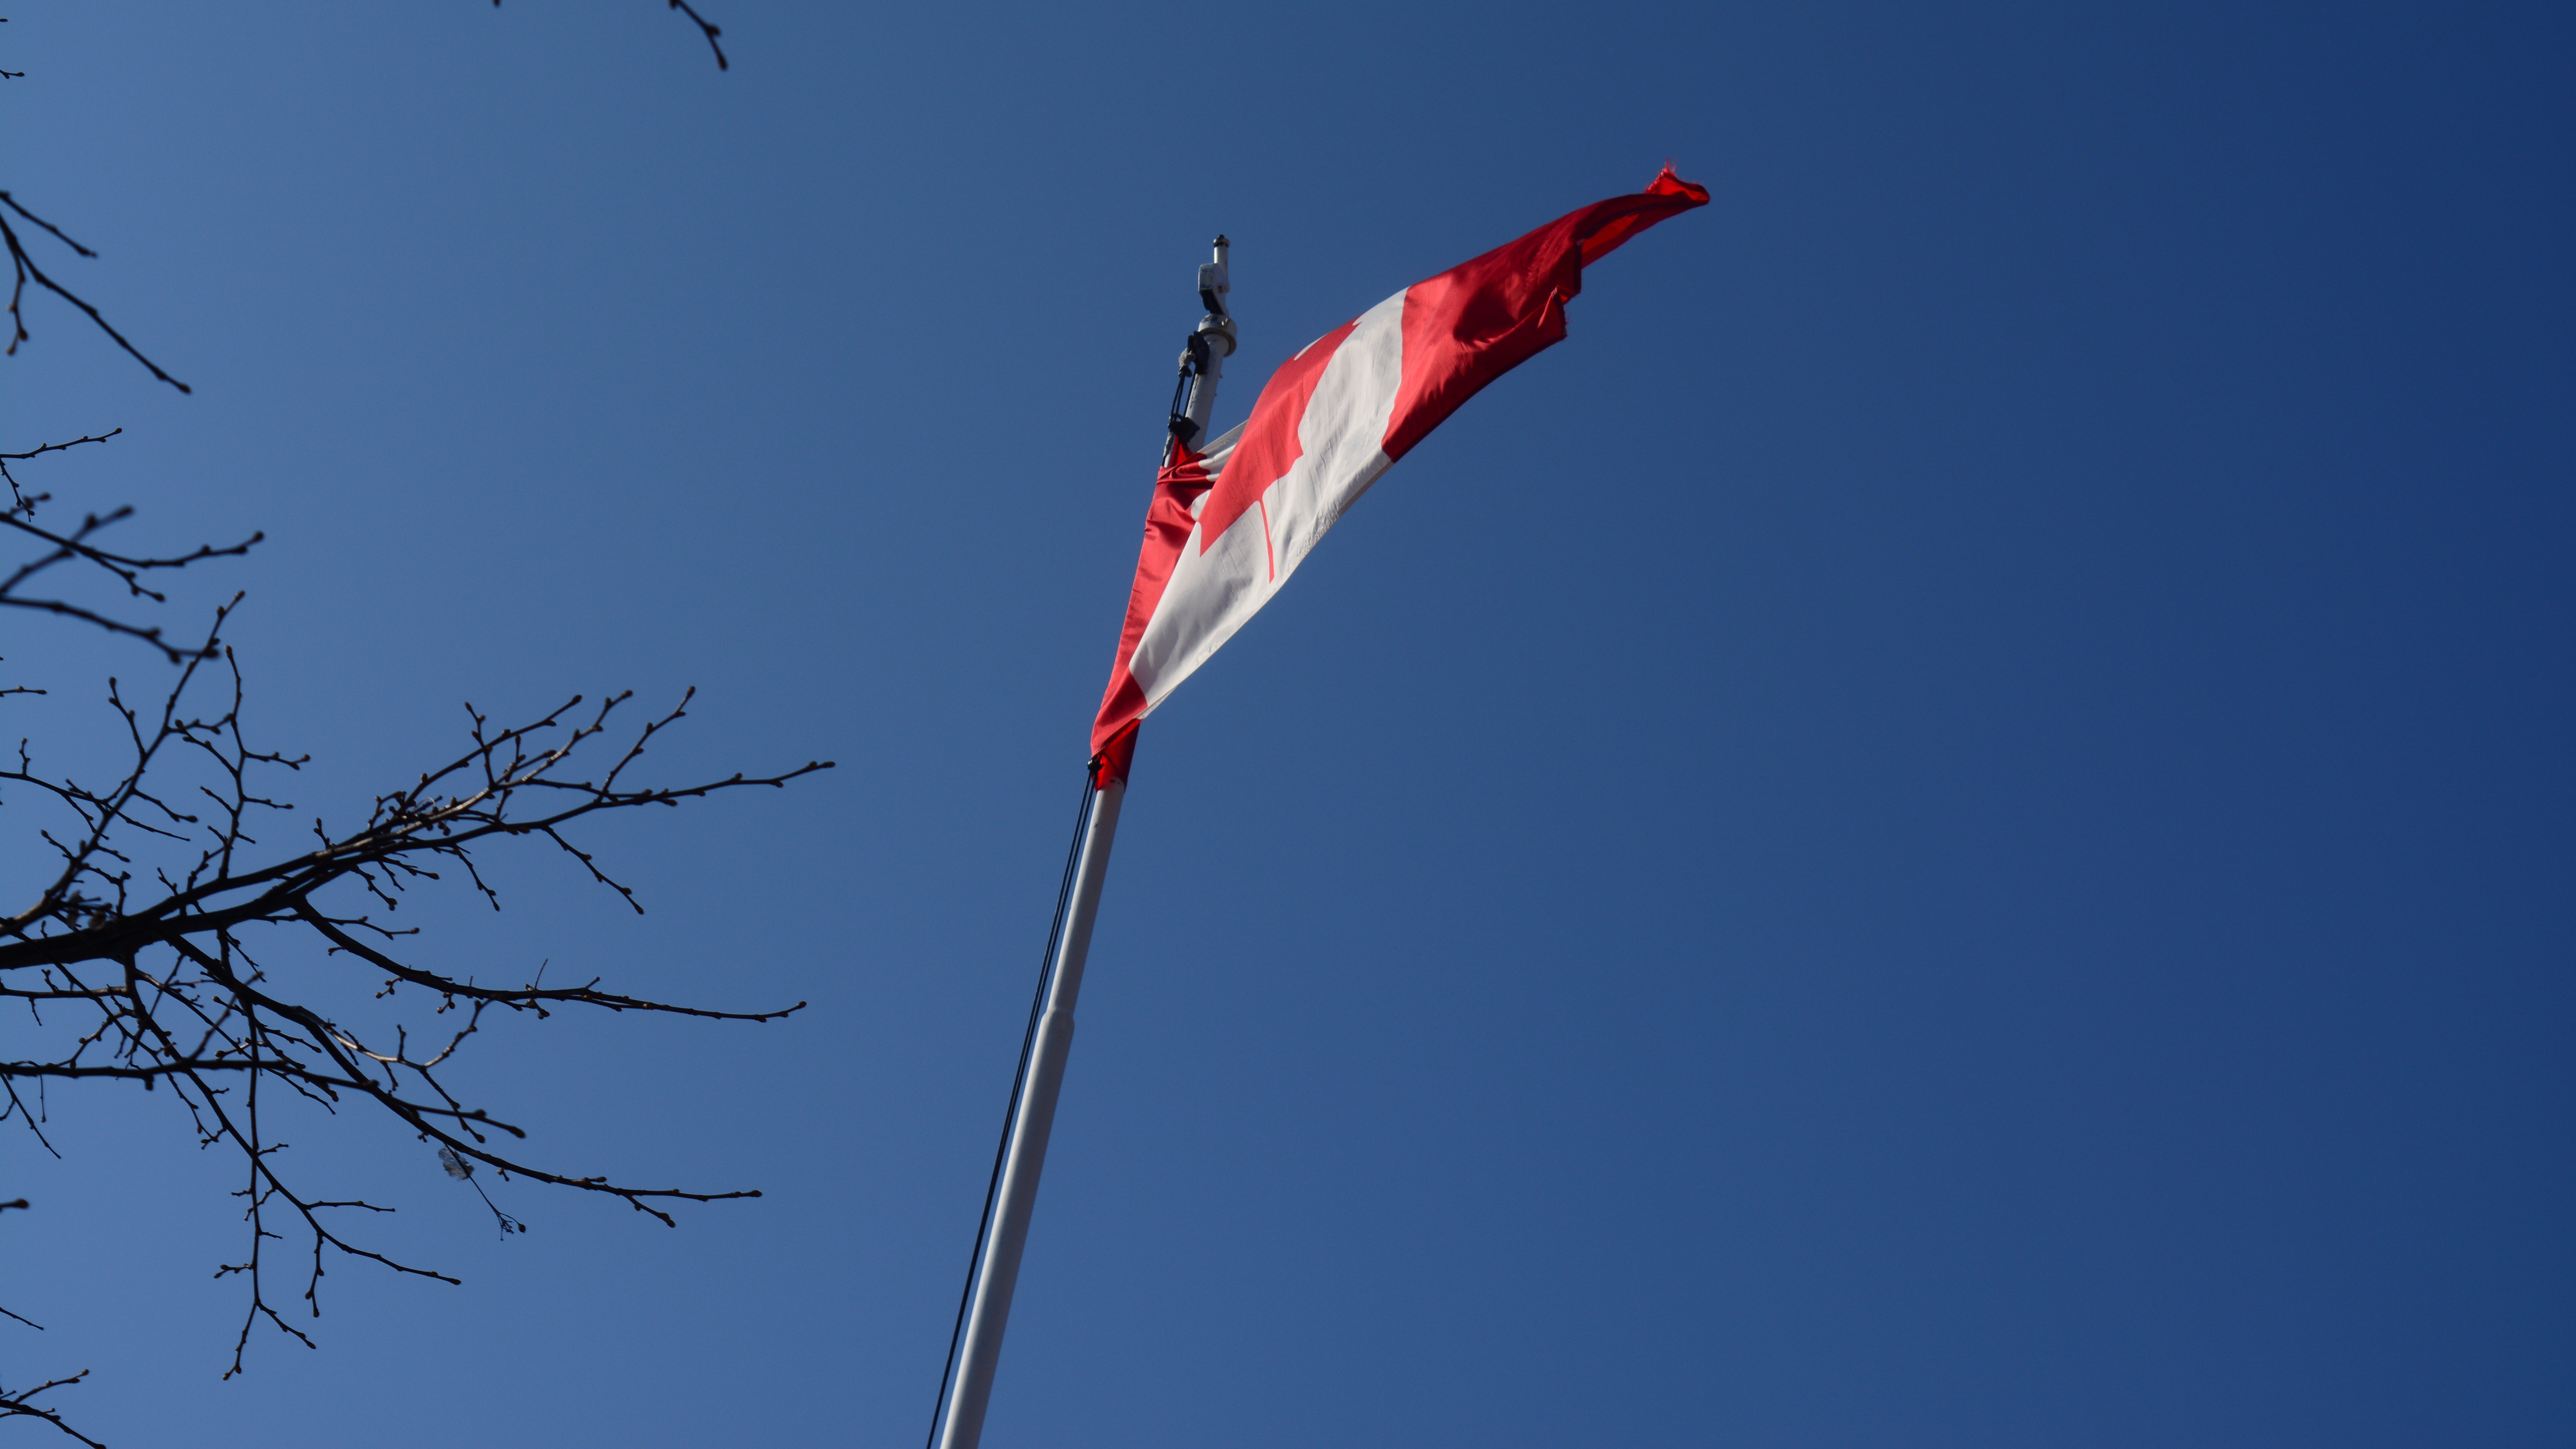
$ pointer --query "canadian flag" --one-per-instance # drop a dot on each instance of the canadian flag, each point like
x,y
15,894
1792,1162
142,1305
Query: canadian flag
x,y
1228,526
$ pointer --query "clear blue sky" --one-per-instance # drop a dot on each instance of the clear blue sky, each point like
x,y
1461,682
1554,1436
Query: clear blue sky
x,y
1950,826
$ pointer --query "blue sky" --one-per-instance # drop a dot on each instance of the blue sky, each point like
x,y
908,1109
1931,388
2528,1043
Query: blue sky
x,y
1949,826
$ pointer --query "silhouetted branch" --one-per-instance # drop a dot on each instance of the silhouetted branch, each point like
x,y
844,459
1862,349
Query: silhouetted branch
x,y
704,28
76,547
138,947
167,991
26,271
20,1403
709,31
141,957
19,500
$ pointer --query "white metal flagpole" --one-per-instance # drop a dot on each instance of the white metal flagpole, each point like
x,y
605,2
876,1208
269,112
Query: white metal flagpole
x,y
981,1352
960,1424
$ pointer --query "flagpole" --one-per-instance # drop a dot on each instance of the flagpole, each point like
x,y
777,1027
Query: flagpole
x,y
981,1353
997,1268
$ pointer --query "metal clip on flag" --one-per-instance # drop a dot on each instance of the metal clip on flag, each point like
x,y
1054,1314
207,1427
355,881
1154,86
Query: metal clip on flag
x,y
1227,525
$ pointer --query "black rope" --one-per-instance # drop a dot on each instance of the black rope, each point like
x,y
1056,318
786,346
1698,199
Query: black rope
x,y
1019,1083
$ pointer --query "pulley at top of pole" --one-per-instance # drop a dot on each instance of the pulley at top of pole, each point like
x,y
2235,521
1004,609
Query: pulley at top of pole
x,y
1203,355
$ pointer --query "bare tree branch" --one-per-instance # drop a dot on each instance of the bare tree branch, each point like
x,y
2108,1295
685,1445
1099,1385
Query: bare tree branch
x,y
19,498
139,942
704,28
685,8
77,547
145,954
17,1403
27,271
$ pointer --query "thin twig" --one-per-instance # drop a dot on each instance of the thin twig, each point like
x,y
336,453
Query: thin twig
x,y
27,270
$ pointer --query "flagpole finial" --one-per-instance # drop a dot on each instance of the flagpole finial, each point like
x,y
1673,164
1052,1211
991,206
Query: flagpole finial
x,y
1214,282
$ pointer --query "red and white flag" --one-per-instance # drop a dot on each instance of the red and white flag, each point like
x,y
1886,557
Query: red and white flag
x,y
1228,526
